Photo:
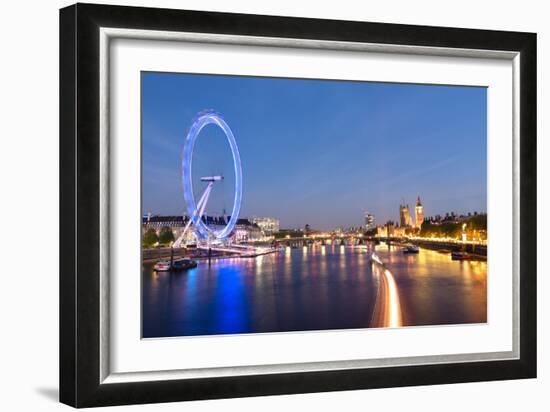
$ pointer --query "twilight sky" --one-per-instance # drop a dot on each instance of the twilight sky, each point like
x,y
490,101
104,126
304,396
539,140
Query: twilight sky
x,y
317,151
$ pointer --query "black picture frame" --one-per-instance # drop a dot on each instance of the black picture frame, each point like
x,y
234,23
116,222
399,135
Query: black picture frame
x,y
80,384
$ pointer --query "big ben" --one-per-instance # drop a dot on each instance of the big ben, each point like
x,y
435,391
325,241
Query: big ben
x,y
418,213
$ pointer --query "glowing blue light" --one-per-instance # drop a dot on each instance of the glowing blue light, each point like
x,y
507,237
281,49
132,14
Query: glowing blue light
x,y
203,119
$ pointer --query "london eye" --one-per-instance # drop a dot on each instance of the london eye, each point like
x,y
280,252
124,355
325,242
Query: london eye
x,y
195,210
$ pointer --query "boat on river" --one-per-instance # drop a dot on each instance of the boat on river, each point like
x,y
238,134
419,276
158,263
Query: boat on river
x,y
467,256
411,249
177,264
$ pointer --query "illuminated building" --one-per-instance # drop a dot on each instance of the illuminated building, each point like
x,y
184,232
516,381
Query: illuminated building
x,y
369,221
418,213
246,231
404,216
388,230
269,225
177,224
400,231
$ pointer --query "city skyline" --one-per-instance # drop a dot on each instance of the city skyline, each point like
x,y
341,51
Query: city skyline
x,y
319,152
375,223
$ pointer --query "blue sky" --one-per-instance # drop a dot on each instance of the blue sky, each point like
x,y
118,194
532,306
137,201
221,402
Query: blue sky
x,y
316,151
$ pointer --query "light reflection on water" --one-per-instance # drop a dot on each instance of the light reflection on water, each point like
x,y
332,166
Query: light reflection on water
x,y
312,288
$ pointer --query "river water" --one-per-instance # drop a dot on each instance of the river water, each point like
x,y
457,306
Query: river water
x,y
314,288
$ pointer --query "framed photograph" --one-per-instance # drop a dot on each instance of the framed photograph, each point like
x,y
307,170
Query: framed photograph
x,y
257,205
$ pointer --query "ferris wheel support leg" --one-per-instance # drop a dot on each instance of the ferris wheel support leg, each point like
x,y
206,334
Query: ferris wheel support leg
x,y
199,211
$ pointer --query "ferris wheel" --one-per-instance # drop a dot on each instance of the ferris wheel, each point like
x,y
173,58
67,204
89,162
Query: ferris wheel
x,y
195,210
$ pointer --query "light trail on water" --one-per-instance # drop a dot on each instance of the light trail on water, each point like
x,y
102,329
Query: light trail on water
x,y
387,311
394,313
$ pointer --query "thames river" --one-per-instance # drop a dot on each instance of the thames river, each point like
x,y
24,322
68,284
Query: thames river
x,y
314,288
